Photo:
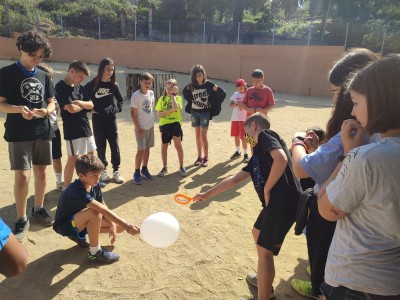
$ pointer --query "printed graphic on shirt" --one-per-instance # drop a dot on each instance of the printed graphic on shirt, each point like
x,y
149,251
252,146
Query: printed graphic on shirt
x,y
258,180
32,90
102,92
256,97
200,99
166,104
147,106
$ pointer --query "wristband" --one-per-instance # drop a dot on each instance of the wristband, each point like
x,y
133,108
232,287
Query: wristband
x,y
297,139
174,94
300,144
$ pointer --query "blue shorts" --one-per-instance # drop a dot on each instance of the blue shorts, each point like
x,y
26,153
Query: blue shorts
x,y
68,228
5,232
200,119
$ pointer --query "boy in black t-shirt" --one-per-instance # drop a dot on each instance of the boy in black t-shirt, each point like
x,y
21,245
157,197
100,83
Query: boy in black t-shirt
x,y
81,210
278,190
74,105
27,96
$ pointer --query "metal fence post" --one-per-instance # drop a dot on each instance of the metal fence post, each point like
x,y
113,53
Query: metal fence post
x,y
204,32
345,39
238,33
273,35
8,20
309,36
169,31
135,25
62,26
383,41
98,21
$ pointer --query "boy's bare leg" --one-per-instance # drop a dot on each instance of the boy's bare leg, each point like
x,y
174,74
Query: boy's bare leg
x,y
69,169
244,144
146,155
91,220
265,272
164,154
237,142
138,159
265,269
198,141
21,181
179,149
57,166
204,140
39,172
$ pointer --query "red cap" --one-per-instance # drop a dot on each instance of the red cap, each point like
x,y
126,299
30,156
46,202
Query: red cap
x,y
240,82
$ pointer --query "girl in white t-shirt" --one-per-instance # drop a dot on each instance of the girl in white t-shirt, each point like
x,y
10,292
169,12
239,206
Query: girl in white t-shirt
x,y
238,118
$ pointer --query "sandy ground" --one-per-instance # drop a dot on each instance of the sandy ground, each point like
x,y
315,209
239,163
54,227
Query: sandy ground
x,y
215,249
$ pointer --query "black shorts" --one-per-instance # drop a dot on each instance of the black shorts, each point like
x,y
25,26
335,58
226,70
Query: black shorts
x,y
68,228
56,145
170,130
273,229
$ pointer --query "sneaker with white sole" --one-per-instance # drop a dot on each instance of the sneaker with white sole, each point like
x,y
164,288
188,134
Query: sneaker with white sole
x,y
105,176
198,161
146,174
20,229
303,287
163,172
205,162
60,185
251,279
246,158
103,256
117,177
183,172
136,178
236,155
42,216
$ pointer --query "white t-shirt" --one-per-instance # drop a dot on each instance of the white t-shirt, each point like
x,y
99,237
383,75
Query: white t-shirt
x,y
365,249
144,105
237,114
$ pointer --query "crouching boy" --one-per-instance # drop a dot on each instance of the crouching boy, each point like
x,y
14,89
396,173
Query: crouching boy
x,y
81,210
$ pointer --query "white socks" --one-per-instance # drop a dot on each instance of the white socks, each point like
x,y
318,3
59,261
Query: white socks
x,y
59,177
94,250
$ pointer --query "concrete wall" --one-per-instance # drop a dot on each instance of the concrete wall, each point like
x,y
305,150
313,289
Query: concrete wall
x,y
299,70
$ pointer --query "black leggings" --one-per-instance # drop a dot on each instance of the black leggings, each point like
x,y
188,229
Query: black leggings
x,y
105,129
319,236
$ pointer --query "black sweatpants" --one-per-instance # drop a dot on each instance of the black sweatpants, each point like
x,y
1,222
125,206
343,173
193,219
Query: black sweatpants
x,y
105,129
319,237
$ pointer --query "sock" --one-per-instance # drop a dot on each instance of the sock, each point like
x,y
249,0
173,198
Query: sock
x,y
238,149
25,218
37,208
144,168
245,151
137,171
58,177
94,250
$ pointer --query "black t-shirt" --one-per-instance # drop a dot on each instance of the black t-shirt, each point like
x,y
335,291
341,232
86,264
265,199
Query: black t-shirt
x,y
32,92
103,98
72,200
75,125
286,192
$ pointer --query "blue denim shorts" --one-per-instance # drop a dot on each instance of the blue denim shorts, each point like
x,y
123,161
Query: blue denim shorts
x,y
200,119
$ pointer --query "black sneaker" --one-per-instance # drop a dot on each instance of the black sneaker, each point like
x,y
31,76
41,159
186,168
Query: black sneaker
x,y
81,242
42,216
246,158
103,256
20,229
236,155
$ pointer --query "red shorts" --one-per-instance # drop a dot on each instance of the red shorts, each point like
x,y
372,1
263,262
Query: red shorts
x,y
237,129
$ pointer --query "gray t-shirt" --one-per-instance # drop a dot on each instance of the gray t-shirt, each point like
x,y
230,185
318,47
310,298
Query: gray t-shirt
x,y
365,250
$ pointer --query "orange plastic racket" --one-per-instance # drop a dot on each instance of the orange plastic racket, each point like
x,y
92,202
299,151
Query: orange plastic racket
x,y
182,199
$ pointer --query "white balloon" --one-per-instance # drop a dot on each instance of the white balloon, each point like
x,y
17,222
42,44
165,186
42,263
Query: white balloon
x,y
160,230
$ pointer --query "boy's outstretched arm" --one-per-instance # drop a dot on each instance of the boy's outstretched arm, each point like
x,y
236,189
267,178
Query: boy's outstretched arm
x,y
277,169
222,186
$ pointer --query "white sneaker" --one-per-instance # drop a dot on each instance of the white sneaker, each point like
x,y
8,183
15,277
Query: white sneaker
x,y
104,176
118,178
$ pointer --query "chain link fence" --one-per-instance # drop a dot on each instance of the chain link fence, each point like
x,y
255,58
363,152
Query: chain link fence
x,y
141,29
